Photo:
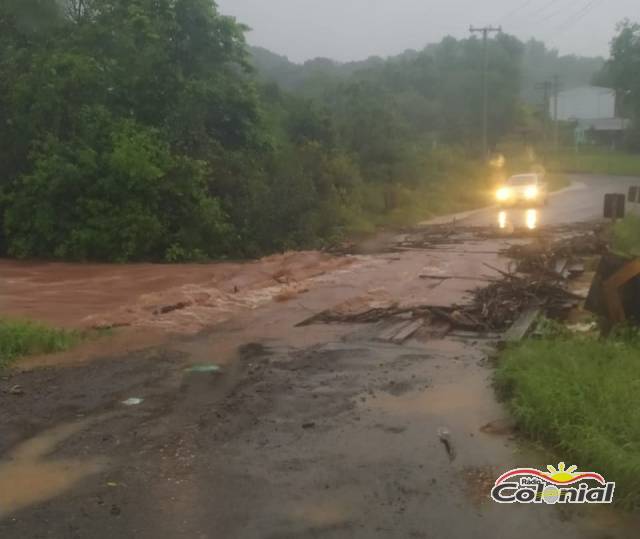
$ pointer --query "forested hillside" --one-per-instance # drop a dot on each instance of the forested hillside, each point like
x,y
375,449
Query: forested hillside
x,y
537,64
140,130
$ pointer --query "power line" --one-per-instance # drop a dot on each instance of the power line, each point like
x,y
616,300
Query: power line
x,y
577,17
557,12
542,9
547,88
531,15
556,124
573,19
516,10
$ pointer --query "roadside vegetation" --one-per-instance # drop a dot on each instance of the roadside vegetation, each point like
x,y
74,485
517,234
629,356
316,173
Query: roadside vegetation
x,y
19,338
626,236
595,161
153,138
147,130
557,181
580,396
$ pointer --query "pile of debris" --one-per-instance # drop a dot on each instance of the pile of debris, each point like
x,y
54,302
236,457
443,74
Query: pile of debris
x,y
494,308
537,284
368,316
499,305
431,236
557,259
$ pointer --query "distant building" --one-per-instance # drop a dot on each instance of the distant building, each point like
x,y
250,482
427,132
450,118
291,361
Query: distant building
x,y
593,110
585,103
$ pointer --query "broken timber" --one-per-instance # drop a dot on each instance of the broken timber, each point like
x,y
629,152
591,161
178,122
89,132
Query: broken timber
x,y
510,302
522,325
400,332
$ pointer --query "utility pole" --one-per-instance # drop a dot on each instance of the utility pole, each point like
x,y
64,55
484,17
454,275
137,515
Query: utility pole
x,y
485,31
546,87
556,128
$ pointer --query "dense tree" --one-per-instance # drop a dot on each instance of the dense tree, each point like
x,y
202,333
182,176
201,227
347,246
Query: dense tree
x,y
536,63
540,64
623,73
435,93
112,128
137,130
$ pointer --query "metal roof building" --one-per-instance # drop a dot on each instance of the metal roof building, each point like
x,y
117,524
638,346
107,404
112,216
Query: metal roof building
x,y
585,103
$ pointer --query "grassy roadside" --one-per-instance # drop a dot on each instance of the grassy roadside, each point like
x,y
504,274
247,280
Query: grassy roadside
x,y
557,181
580,396
626,236
594,162
461,193
437,200
19,338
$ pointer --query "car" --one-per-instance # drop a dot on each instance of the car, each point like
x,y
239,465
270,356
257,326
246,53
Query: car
x,y
527,189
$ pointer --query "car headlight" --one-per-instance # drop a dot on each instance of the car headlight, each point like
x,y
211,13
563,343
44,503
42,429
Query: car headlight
x,y
502,194
531,192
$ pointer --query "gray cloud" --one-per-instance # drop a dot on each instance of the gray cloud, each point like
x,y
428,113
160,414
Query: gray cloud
x,y
355,29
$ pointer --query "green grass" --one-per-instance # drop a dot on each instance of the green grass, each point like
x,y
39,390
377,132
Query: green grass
x,y
580,396
594,161
626,236
20,338
557,181
433,201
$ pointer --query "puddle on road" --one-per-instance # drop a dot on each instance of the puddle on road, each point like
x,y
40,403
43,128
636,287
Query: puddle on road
x,y
28,475
321,513
467,394
441,400
511,220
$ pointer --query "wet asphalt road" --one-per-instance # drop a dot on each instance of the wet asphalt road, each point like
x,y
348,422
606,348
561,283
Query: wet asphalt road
x,y
582,201
307,432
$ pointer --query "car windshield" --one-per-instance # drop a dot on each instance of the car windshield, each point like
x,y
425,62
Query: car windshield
x,y
522,180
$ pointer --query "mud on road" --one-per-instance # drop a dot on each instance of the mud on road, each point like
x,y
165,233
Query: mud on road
x,y
171,298
325,430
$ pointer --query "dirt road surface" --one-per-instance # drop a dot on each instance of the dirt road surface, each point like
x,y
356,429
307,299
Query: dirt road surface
x,y
317,431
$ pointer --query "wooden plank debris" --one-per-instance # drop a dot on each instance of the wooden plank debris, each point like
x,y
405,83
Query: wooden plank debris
x,y
522,325
459,278
408,331
575,269
509,299
389,332
560,268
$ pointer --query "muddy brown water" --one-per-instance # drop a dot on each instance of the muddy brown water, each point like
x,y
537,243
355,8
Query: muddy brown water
x,y
88,295
28,476
320,431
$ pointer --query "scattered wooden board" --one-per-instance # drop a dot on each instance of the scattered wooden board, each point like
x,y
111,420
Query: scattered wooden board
x,y
522,325
576,269
408,331
400,332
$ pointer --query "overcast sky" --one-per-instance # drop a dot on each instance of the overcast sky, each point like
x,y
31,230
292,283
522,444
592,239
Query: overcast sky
x,y
356,29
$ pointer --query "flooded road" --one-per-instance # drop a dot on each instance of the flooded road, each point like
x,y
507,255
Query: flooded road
x,y
175,298
325,430
29,476
582,201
